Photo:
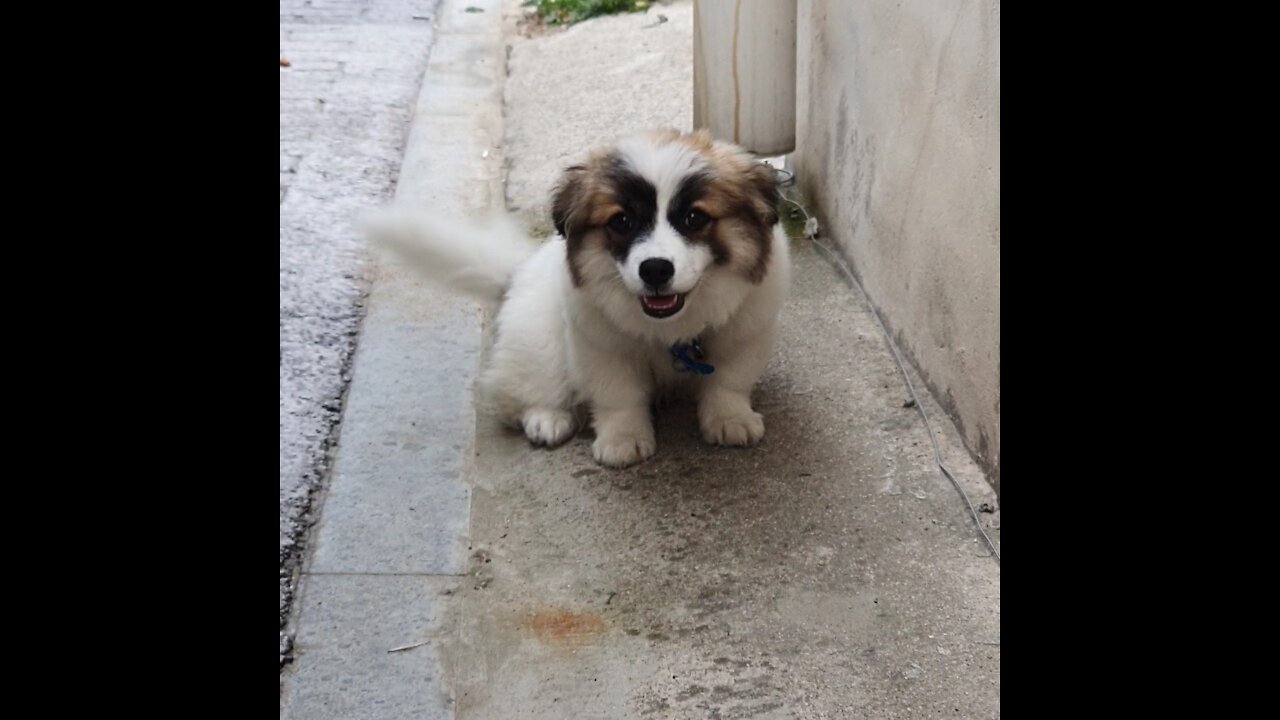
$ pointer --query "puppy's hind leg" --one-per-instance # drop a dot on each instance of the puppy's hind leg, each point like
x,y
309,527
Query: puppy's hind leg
x,y
529,367
531,387
550,426
530,396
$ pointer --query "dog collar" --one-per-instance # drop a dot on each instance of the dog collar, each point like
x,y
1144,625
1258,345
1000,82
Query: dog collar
x,y
688,356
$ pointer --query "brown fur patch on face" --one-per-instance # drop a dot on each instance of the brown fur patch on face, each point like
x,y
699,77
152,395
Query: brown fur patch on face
x,y
584,200
740,195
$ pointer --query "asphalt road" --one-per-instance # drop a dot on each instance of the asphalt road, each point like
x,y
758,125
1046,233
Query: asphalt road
x,y
353,73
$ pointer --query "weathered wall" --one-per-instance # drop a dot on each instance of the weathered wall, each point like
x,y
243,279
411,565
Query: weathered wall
x,y
898,147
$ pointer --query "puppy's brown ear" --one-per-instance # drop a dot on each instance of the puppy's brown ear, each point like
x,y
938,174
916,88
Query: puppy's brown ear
x,y
766,197
566,203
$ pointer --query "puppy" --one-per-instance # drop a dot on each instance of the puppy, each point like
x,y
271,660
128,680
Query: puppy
x,y
668,271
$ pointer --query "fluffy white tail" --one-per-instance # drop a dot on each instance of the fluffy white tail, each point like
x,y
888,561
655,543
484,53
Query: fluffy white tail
x,y
473,256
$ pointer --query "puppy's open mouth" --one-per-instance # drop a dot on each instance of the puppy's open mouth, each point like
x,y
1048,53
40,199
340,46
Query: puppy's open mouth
x,y
660,306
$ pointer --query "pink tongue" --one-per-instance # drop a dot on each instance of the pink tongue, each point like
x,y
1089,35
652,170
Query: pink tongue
x,y
660,302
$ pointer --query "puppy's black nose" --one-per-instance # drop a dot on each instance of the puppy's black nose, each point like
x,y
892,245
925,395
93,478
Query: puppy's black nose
x,y
656,272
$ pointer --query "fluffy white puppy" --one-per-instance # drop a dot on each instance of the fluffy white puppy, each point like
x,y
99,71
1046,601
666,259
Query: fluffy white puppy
x,y
668,271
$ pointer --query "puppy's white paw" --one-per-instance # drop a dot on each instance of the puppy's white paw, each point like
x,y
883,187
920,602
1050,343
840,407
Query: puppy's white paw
x,y
623,437
547,426
729,420
622,450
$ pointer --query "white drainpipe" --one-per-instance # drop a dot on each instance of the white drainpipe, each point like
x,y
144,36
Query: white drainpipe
x,y
744,72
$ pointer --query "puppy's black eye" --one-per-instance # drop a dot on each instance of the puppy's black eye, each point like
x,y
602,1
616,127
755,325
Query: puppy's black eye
x,y
620,223
695,220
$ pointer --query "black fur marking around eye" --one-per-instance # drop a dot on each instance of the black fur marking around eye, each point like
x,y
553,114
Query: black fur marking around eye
x,y
639,200
689,192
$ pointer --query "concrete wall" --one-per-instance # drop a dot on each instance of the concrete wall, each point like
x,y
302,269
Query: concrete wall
x,y
898,147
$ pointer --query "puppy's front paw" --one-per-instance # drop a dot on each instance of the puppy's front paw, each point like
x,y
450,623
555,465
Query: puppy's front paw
x,y
729,420
547,426
622,450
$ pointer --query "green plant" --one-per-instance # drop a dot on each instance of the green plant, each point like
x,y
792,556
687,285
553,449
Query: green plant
x,y
567,12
